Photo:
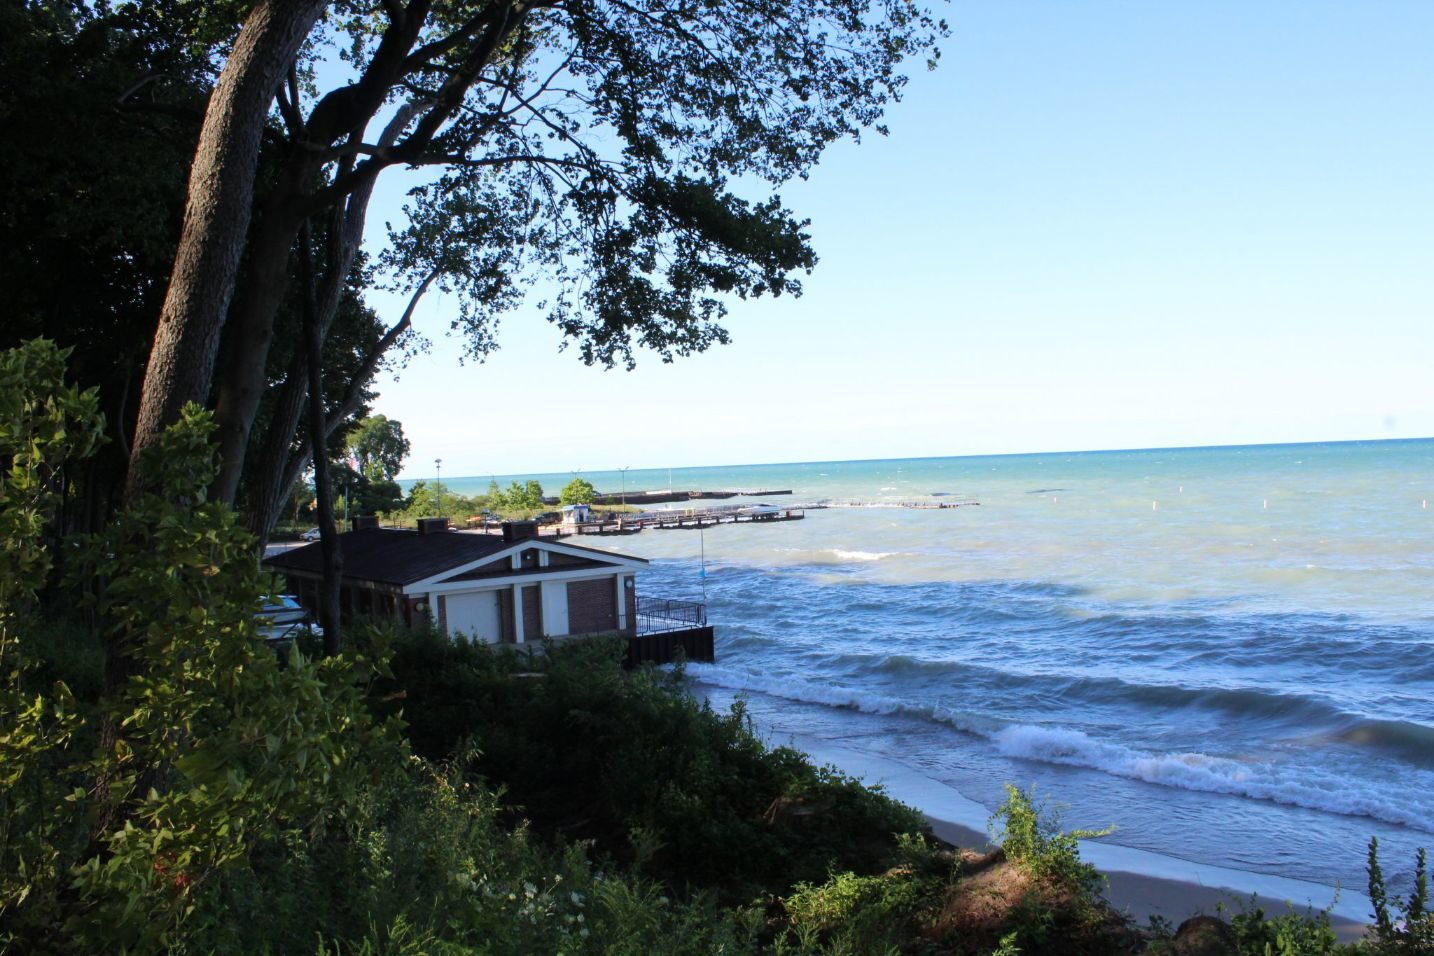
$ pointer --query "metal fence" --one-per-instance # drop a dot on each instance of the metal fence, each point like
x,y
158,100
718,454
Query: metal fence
x,y
659,615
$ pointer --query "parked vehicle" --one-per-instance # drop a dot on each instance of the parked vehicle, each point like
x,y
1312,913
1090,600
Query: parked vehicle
x,y
283,619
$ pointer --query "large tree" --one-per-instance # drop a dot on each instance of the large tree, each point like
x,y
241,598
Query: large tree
x,y
378,445
601,143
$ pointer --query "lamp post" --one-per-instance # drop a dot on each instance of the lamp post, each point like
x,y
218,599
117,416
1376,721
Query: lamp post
x,y
624,483
438,480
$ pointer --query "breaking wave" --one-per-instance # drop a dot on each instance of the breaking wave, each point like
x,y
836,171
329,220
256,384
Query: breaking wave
x,y
1260,780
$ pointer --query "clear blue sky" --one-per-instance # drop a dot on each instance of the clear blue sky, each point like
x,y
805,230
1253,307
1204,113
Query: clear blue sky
x,y
1096,225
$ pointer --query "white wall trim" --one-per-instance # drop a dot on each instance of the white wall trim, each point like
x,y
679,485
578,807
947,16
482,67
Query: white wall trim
x,y
512,553
499,581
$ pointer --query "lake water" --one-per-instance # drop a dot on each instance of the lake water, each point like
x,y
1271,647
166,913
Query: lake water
x,y
1228,653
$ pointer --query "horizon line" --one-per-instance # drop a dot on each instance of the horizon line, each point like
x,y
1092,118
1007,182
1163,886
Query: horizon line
x,y
1017,454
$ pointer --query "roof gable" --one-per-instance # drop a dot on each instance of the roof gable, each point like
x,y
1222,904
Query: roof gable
x,y
589,557
409,559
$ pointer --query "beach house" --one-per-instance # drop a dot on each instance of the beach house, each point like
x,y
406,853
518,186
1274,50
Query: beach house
x,y
508,588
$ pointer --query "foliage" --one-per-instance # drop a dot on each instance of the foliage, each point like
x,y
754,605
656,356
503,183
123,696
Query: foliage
x,y
378,445
627,151
1289,934
213,746
631,762
1031,834
518,499
859,914
423,863
94,187
44,425
1401,926
579,491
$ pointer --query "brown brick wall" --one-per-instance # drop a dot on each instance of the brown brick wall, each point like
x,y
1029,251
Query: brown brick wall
x,y
509,634
532,613
592,606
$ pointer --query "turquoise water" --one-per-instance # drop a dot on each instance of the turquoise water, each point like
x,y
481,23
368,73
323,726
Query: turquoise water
x,y
1226,652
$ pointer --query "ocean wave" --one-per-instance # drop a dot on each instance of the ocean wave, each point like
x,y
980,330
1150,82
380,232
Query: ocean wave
x,y
830,695
862,555
1198,771
1411,741
1305,787
830,556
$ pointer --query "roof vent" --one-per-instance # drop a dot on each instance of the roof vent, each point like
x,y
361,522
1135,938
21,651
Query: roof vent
x,y
365,522
432,525
519,530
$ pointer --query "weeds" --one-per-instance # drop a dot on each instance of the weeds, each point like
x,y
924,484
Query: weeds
x,y
1032,836
1401,926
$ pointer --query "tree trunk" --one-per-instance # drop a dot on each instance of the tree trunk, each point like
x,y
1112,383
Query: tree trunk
x,y
241,379
216,218
318,441
273,484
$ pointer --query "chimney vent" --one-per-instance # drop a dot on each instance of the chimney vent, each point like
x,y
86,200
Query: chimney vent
x,y
519,530
432,525
365,522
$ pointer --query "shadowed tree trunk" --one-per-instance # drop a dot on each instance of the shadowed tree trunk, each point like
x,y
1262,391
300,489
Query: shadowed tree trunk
x,y
216,218
273,485
241,377
328,534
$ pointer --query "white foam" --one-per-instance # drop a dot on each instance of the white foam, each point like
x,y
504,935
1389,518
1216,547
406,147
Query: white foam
x,y
943,802
1202,772
1059,745
861,555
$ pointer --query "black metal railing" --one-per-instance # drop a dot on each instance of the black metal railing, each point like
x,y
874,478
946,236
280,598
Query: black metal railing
x,y
659,615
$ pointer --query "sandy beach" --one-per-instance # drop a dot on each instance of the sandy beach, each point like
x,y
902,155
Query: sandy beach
x,y
1141,884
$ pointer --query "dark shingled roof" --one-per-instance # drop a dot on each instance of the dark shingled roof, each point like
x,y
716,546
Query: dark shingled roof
x,y
392,556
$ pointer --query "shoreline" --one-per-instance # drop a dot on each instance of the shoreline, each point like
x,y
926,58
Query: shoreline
x,y
1141,883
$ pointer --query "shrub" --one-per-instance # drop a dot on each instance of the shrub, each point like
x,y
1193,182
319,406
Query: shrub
x,y
1031,834
423,864
633,763
1290,934
1406,926
859,914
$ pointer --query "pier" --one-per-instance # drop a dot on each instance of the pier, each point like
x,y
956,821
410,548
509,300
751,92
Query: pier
x,y
669,496
689,518
915,503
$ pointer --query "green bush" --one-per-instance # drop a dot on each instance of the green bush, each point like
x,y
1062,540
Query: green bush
x,y
860,914
1289,934
1403,927
1032,836
632,763
423,864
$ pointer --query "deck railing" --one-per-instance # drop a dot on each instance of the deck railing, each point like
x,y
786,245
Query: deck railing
x,y
659,615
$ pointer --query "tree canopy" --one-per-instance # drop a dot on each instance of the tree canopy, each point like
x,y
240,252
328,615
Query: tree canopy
x,y
379,448
620,149
579,491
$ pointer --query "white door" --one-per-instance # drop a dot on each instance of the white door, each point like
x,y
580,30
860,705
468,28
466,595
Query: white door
x,y
475,615
555,608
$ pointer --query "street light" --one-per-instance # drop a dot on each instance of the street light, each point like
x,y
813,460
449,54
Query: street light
x,y
438,480
624,484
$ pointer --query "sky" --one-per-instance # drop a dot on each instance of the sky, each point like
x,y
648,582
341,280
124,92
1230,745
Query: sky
x,y
1096,225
